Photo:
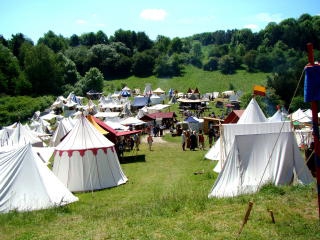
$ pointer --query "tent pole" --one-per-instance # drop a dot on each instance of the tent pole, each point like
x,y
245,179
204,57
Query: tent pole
x,y
314,108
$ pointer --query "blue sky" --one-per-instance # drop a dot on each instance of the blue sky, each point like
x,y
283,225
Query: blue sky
x,y
171,18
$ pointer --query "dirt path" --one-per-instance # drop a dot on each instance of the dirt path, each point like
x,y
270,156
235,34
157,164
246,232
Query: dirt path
x,y
155,139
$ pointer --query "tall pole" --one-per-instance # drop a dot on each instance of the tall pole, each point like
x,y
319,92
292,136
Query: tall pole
x,y
314,108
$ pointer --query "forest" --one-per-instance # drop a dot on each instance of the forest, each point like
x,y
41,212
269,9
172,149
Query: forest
x,y
57,65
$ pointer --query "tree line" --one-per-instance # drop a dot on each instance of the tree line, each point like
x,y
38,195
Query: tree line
x,y
57,65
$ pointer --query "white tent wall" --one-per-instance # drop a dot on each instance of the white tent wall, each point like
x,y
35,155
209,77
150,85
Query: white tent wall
x,y
86,160
27,184
271,157
231,130
90,171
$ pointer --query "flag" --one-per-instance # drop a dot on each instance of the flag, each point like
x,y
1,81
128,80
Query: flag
x,y
259,90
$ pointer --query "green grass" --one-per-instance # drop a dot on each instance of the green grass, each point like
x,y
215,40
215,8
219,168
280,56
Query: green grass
x,y
194,77
164,199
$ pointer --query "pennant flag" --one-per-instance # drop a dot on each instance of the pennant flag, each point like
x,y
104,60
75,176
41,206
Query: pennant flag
x,y
259,90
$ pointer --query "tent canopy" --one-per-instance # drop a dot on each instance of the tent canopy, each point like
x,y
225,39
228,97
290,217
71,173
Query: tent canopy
x,y
266,158
27,184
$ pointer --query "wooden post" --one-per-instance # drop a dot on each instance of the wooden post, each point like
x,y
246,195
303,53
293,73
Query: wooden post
x,y
272,216
315,126
246,217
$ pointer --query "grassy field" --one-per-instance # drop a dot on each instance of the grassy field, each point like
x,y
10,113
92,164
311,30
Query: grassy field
x,y
164,199
192,78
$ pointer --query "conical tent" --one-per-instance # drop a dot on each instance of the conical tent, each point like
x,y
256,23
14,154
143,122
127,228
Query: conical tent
x,y
252,114
64,126
26,184
21,136
85,160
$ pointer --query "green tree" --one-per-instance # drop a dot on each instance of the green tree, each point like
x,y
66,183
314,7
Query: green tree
x,y
10,74
143,42
129,38
54,42
249,59
211,64
93,80
101,38
162,44
74,40
143,64
68,70
88,39
81,56
42,71
196,55
175,46
227,64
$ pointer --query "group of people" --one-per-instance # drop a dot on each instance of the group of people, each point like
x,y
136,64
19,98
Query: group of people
x,y
131,143
192,140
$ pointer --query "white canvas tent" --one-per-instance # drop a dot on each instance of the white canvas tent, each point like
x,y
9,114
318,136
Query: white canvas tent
x,y
85,160
257,159
21,136
252,114
64,126
26,184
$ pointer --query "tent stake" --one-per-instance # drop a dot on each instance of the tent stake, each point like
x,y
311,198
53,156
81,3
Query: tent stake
x,y
272,216
246,217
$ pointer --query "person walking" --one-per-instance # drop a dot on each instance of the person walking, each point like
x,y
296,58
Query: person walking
x,y
150,141
211,135
201,140
193,141
183,140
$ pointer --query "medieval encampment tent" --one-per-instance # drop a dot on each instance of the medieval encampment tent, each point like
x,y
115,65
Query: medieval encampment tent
x,y
26,184
258,159
254,152
86,160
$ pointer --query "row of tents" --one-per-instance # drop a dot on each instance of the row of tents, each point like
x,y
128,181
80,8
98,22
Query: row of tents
x,y
250,153
85,160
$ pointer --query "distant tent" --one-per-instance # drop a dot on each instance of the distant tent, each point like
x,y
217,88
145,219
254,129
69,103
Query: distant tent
x,y
92,94
21,136
233,116
172,100
277,117
140,102
85,160
125,93
26,184
158,91
147,90
155,99
64,126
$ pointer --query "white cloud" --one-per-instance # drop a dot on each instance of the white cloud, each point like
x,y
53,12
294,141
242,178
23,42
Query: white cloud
x,y
81,21
267,17
153,14
252,26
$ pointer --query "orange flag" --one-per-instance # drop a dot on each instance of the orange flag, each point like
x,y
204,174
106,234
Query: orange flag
x,y
259,90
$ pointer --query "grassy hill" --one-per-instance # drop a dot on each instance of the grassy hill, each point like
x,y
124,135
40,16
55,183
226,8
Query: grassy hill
x,y
194,77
